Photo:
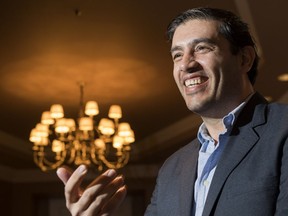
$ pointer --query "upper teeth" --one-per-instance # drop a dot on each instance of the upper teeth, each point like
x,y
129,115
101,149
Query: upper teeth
x,y
194,81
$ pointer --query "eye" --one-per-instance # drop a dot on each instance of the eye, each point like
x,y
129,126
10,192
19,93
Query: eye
x,y
203,48
176,56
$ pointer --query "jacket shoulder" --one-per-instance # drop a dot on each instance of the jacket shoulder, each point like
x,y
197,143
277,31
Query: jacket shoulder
x,y
178,158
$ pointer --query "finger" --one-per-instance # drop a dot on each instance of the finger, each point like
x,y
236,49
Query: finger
x,y
103,195
94,190
64,173
72,187
110,173
115,201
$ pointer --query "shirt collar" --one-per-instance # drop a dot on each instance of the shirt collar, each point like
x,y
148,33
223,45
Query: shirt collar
x,y
228,121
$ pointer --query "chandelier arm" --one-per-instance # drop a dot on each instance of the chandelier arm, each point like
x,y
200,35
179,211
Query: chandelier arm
x,y
81,110
122,160
83,154
126,158
58,163
72,155
96,161
45,164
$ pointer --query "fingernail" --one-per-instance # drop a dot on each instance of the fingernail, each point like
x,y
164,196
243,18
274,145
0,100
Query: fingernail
x,y
122,176
123,188
58,172
120,179
110,173
81,169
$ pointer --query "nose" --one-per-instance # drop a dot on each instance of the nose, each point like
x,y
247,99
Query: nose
x,y
188,64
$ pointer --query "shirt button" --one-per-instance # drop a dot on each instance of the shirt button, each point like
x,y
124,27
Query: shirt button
x,y
206,183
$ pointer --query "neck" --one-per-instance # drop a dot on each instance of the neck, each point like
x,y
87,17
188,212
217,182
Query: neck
x,y
215,124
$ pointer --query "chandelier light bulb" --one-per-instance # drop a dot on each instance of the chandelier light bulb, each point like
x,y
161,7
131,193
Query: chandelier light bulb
x,y
124,129
57,146
130,138
34,137
115,112
118,142
91,108
86,124
106,126
61,126
46,118
42,130
99,143
43,142
57,111
71,124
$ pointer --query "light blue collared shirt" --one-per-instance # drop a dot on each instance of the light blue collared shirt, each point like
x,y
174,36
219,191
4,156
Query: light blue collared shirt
x,y
209,155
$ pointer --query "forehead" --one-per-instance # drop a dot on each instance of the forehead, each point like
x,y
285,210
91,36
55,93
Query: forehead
x,y
195,29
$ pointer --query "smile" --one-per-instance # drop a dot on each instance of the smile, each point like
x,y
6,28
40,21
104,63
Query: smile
x,y
195,81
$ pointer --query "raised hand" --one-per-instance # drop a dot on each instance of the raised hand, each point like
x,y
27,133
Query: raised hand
x,y
101,198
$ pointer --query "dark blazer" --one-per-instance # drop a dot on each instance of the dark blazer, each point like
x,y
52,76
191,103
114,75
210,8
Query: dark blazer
x,y
251,178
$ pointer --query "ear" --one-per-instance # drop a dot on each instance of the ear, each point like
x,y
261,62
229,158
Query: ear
x,y
247,58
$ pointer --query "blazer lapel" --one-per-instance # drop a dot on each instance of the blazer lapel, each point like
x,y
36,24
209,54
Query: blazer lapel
x,y
239,143
188,176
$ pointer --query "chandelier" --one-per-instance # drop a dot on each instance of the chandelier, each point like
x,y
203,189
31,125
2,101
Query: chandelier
x,y
58,140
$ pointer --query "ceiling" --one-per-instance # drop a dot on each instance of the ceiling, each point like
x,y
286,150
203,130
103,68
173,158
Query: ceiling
x,y
118,49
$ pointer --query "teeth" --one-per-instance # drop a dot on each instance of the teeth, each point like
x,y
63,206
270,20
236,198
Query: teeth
x,y
192,82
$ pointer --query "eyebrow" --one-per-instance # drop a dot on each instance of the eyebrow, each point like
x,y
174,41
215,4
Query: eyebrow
x,y
193,42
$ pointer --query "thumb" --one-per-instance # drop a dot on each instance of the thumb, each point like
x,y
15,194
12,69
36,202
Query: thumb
x,y
64,173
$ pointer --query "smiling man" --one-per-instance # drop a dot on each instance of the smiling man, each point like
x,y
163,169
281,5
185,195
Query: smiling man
x,y
209,77
238,165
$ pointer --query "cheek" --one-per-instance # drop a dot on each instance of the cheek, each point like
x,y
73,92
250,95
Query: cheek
x,y
176,74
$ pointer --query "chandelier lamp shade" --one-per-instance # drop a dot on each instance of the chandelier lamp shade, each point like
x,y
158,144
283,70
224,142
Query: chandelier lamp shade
x,y
58,140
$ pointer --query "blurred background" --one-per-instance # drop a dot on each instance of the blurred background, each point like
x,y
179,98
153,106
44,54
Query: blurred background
x,y
119,50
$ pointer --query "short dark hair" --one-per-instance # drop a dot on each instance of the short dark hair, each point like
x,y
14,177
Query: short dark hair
x,y
231,27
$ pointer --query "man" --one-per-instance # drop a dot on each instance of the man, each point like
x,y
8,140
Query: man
x,y
238,165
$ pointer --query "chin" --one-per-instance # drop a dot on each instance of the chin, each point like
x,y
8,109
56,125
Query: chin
x,y
193,107
200,107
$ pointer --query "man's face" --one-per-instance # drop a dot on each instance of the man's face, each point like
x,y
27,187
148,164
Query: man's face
x,y
208,76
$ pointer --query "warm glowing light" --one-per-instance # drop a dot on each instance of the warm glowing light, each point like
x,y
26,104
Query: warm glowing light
x,y
91,108
70,123
33,136
130,138
118,142
82,141
115,112
61,126
57,146
46,118
106,126
44,141
86,124
42,130
283,77
124,129
99,143
57,111
268,98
